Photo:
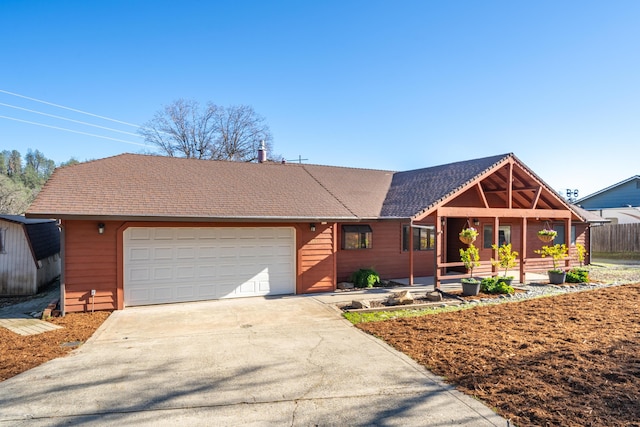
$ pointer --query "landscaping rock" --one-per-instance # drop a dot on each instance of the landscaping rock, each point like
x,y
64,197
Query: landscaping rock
x,y
361,304
433,296
345,285
401,298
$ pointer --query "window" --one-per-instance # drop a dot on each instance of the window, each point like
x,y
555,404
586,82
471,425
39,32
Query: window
x,y
2,250
504,235
423,238
560,236
356,237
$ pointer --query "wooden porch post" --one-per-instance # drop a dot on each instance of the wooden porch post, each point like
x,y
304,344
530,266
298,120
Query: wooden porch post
x,y
440,239
523,250
410,255
567,241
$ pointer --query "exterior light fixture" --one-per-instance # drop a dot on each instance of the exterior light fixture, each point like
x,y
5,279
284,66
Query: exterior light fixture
x,y
101,228
312,227
476,221
443,221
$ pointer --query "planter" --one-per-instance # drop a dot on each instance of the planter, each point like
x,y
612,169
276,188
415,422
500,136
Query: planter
x,y
546,238
467,240
470,287
556,277
506,280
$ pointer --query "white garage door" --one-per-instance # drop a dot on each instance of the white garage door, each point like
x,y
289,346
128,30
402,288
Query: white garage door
x,y
163,265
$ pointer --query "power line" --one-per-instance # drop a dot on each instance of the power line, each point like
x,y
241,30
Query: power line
x,y
68,108
76,131
69,120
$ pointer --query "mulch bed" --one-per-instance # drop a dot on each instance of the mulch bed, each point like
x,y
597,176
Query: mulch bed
x,y
20,353
567,360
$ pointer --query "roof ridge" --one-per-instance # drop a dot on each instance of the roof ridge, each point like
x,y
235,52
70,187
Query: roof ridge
x,y
329,191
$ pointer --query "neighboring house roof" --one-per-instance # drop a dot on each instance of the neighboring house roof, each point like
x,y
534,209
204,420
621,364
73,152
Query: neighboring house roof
x,y
588,216
621,194
43,235
158,187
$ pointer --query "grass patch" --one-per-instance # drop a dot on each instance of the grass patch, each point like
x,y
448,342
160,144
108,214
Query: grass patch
x,y
377,316
615,256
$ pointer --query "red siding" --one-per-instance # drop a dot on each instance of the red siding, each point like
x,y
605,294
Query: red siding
x,y
90,263
385,255
316,259
94,261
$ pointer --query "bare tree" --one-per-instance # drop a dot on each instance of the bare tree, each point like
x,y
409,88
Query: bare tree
x,y
185,129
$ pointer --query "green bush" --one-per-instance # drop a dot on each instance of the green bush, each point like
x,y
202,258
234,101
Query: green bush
x,y
577,275
494,285
365,278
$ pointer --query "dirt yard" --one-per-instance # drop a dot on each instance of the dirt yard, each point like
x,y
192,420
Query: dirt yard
x,y
568,360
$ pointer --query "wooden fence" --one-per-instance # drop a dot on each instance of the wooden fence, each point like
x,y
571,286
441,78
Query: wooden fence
x,y
616,238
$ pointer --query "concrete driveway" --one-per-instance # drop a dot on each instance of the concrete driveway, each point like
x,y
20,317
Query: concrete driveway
x,y
277,361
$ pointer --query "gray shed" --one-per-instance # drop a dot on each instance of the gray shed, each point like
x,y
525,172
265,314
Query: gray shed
x,y
29,254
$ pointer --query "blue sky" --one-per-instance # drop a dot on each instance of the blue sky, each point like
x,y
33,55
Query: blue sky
x,y
394,85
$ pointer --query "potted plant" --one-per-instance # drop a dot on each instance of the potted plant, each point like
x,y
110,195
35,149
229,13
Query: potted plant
x,y
558,252
506,259
470,257
468,235
547,234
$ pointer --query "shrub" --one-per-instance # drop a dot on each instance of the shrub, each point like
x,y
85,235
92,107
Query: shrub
x,y
577,275
493,285
365,278
558,252
470,258
506,257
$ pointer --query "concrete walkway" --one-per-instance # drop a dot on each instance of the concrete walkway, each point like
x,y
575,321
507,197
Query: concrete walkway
x,y
256,361
17,318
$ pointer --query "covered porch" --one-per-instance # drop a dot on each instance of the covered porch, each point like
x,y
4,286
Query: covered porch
x,y
506,205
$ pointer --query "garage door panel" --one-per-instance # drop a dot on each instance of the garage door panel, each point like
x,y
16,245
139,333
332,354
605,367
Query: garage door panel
x,y
162,233
223,262
163,273
162,254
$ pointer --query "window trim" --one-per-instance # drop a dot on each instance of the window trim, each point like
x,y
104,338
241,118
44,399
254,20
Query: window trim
x,y
361,230
504,226
429,229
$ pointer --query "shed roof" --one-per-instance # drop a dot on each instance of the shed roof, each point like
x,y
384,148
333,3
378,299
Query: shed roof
x,y
43,235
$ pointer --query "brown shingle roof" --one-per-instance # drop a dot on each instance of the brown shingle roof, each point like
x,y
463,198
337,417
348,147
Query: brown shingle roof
x,y
131,185
413,191
157,187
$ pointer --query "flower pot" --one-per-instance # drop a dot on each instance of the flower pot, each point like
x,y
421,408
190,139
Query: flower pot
x,y
546,238
557,277
467,240
470,287
506,280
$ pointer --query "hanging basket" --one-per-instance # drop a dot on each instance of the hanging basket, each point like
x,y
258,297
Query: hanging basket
x,y
546,237
467,240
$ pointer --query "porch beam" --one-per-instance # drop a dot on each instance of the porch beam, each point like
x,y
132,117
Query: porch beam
x,y
515,190
467,212
534,203
481,194
510,186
